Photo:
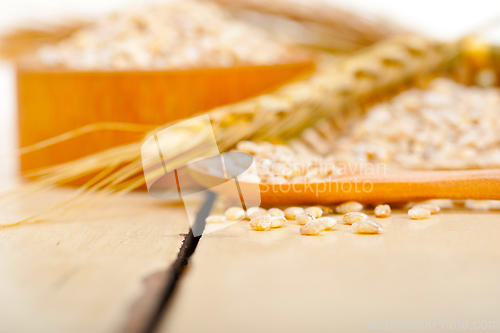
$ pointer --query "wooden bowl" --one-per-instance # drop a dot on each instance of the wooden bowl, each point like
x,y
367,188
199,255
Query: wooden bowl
x,y
52,103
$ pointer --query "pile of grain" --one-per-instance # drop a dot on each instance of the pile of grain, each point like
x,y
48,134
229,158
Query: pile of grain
x,y
445,126
174,35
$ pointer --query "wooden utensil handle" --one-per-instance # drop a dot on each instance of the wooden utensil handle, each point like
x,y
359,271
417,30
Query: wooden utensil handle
x,y
401,186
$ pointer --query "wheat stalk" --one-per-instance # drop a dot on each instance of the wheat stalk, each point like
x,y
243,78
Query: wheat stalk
x,y
336,85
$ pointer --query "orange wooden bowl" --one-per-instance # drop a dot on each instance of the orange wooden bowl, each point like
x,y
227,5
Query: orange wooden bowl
x,y
52,103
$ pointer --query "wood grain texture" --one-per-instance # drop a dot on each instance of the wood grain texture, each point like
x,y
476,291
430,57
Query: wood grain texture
x,y
52,103
242,280
85,273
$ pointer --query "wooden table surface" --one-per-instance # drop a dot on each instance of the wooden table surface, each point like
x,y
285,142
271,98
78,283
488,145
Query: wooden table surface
x,y
242,280
100,271
85,273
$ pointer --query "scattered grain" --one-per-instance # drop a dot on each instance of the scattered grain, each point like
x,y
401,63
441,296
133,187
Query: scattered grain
x,y
261,223
312,228
430,207
418,213
382,211
276,212
304,218
254,212
278,221
292,212
315,211
353,217
328,222
367,227
348,207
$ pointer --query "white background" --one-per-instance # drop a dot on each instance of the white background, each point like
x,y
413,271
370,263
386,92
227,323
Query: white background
x,y
441,18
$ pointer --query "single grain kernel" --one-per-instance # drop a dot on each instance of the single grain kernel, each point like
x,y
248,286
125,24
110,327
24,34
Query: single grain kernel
x,y
261,223
353,217
328,222
367,227
255,211
277,221
477,204
315,211
215,219
235,214
382,211
348,207
326,210
276,212
304,218
419,213
292,212
430,207
312,228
